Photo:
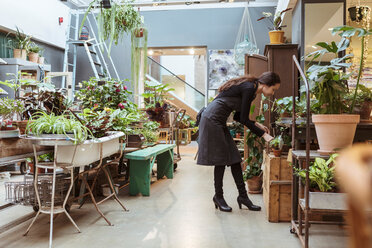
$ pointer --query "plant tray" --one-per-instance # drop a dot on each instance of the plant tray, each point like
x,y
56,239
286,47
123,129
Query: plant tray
x,y
9,134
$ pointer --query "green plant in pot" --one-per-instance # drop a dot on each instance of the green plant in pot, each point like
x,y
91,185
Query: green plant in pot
x,y
9,108
20,45
277,145
33,52
321,174
276,34
334,128
256,145
363,102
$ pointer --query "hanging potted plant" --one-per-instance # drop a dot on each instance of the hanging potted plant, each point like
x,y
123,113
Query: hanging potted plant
x,y
276,34
357,13
334,128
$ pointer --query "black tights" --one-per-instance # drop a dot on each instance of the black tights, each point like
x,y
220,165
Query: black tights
x,y
236,171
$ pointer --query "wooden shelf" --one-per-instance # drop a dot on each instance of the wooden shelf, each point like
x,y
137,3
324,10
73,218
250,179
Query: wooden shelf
x,y
322,201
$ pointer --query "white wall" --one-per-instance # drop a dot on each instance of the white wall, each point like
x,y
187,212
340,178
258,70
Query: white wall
x,y
180,65
38,18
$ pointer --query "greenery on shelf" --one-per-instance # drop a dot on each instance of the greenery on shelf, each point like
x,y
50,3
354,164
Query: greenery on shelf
x,y
277,143
21,41
43,123
9,107
321,174
255,145
329,81
364,94
277,21
33,48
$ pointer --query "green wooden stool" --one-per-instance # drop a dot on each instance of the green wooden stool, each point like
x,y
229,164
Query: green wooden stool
x,y
141,163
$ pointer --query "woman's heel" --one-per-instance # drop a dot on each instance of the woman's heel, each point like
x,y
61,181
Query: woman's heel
x,y
248,203
240,204
216,206
220,203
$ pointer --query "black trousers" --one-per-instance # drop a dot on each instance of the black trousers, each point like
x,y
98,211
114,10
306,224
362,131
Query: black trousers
x,y
237,173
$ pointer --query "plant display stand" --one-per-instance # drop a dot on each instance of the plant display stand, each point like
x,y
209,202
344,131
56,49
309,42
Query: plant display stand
x,y
68,156
277,181
141,163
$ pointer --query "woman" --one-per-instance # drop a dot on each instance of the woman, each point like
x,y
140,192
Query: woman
x,y
216,146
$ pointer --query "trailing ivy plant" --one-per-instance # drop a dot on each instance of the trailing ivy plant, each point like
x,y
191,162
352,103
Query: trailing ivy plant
x,y
43,123
255,145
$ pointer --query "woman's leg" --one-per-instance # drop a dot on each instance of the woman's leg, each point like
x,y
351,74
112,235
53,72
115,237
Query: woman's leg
x,y
243,198
219,201
219,171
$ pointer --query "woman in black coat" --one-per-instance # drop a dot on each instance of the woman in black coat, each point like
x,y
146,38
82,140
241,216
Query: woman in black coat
x,y
216,146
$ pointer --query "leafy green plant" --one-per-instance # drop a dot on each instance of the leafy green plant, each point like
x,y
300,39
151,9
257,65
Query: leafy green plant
x,y
33,48
321,174
277,143
9,107
255,145
155,93
283,105
17,81
277,21
21,41
42,123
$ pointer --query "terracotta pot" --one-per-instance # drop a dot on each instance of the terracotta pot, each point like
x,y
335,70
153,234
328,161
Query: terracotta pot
x,y
33,57
22,126
334,131
365,111
277,153
20,54
255,185
41,60
276,36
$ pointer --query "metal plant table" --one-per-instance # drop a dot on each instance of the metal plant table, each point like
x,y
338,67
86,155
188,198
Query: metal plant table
x,y
69,156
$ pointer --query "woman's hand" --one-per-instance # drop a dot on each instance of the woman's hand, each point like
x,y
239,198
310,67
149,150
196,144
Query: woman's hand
x,y
267,137
259,125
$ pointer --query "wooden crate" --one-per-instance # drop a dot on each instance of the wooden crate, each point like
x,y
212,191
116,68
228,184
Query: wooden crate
x,y
277,178
16,146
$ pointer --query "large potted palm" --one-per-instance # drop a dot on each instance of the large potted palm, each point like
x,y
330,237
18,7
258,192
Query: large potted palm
x,y
334,122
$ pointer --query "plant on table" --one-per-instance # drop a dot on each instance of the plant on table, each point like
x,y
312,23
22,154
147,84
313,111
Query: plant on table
x,y
17,81
21,42
44,123
321,174
363,101
8,109
277,145
276,22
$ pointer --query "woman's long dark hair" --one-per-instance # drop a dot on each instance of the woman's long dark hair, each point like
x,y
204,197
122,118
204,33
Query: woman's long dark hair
x,y
268,78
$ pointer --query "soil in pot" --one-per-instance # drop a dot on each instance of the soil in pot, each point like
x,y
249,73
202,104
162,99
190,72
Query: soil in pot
x,y
255,185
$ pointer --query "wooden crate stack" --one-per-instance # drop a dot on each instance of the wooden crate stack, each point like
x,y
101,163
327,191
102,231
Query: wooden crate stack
x,y
277,180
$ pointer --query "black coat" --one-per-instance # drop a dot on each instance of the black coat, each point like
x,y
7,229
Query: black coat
x,y
216,146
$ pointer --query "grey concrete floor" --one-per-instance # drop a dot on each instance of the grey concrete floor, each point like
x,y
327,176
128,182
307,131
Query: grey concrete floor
x,y
179,213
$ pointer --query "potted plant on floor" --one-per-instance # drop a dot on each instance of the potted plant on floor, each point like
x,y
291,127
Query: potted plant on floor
x,y
334,129
276,34
277,145
20,45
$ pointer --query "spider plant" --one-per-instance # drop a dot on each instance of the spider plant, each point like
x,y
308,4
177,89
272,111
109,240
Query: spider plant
x,y
42,123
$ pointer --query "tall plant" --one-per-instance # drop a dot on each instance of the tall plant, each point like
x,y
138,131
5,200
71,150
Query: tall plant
x,y
138,56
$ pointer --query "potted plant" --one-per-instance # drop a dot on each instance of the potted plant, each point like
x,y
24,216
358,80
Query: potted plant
x,y
20,45
334,129
41,56
276,34
321,174
33,52
50,125
8,109
363,102
277,145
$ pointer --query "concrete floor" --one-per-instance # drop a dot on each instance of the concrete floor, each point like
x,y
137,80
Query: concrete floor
x,y
179,213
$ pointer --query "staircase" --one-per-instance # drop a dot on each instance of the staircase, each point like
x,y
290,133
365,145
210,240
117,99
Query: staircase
x,y
185,95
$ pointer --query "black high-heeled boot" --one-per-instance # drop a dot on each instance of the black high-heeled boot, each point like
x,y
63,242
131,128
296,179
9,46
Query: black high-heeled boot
x,y
219,202
248,203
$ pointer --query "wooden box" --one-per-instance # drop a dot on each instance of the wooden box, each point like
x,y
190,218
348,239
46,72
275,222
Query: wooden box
x,y
277,180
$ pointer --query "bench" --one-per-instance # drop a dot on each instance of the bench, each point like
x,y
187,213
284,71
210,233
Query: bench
x,y
141,163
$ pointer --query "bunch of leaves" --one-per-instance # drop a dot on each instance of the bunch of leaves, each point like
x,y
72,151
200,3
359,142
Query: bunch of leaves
x,y
277,21
9,107
187,122
43,123
321,174
122,119
157,113
33,48
155,93
283,105
17,81
98,122
47,157
277,143
255,145
21,41
364,94
111,94
150,131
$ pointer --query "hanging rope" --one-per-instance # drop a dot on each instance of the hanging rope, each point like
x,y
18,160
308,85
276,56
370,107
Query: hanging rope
x,y
246,40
